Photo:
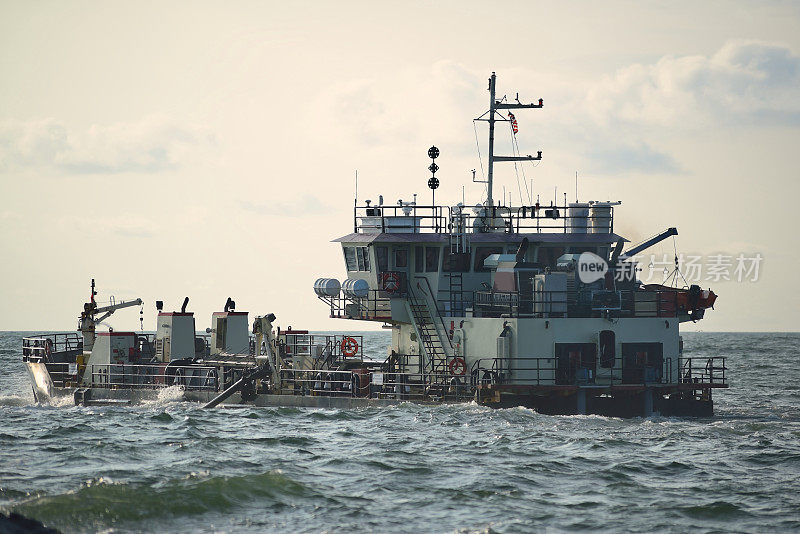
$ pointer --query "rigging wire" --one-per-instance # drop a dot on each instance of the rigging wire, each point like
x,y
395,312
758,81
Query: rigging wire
x,y
515,143
516,171
480,159
675,249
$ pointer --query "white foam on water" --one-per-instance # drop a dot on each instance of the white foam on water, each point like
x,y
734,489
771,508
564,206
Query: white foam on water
x,y
15,400
168,395
62,401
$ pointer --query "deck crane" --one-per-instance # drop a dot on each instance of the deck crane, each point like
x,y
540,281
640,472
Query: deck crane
x,y
88,321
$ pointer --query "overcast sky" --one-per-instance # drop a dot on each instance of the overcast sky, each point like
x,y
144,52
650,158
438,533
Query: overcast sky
x,y
209,149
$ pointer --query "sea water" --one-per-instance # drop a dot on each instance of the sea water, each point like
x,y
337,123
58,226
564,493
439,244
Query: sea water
x,y
169,466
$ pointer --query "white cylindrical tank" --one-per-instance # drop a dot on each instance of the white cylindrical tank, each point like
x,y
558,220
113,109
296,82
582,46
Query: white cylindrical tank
x,y
355,288
601,218
578,217
327,287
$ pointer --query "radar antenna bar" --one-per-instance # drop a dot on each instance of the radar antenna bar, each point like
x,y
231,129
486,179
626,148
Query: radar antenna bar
x,y
494,106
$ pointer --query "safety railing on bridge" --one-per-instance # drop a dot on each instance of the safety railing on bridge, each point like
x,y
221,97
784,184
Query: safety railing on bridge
x,y
412,218
375,306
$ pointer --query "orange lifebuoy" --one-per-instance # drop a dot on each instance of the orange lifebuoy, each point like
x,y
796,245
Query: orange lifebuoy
x,y
349,347
458,366
391,282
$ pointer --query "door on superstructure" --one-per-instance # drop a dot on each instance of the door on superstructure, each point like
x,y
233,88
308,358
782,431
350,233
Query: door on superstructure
x,y
576,363
642,362
606,356
401,258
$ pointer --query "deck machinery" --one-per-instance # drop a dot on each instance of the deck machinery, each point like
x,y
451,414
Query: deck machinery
x,y
533,305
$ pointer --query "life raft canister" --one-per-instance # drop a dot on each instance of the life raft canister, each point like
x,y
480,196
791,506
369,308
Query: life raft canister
x,y
349,347
458,366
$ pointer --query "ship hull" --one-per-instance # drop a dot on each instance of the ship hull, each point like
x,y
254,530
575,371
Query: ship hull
x,y
646,402
624,402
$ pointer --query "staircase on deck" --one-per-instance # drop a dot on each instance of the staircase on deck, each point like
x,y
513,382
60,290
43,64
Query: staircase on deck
x,y
429,332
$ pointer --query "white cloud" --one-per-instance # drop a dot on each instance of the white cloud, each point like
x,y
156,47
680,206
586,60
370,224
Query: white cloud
x,y
743,82
153,144
614,123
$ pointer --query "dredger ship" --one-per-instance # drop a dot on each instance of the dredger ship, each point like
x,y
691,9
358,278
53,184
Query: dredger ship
x,y
533,305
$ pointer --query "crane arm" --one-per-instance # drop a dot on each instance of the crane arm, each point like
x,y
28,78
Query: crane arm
x,y
114,307
669,232
108,310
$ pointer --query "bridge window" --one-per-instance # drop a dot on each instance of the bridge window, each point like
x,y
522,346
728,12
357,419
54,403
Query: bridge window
x,y
431,259
400,258
456,262
426,259
549,255
382,255
363,258
350,258
356,258
582,249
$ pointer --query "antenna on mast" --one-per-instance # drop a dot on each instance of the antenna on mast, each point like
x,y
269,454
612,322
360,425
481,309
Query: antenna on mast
x,y
494,106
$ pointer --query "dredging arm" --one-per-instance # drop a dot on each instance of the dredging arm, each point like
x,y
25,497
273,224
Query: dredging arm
x,y
246,381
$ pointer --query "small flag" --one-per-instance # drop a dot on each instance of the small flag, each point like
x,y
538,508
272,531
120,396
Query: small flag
x,y
514,126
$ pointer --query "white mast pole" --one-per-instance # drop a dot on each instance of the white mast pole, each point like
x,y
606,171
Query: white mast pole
x,y
489,199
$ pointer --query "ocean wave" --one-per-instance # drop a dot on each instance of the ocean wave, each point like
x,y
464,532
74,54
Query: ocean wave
x,y
15,400
104,502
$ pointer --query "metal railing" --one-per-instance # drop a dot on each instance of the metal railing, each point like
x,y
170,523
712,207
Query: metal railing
x,y
700,371
399,219
427,291
709,371
373,384
48,346
376,306
463,220
632,303
133,376
323,348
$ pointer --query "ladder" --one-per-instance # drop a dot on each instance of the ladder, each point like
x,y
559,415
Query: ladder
x,y
459,242
456,294
436,361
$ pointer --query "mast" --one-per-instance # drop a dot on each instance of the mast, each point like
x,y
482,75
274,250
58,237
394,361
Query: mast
x,y
489,200
494,106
